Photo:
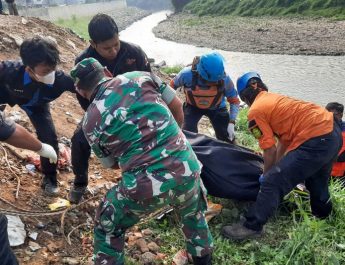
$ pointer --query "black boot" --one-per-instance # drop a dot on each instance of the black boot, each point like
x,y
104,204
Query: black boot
x,y
205,260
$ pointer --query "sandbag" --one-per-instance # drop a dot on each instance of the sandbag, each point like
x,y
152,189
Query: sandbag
x,y
229,171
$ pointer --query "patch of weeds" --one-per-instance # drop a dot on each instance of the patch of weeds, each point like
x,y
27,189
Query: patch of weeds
x,y
172,69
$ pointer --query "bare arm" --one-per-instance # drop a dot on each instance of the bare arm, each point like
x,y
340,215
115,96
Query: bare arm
x,y
176,109
23,139
281,149
270,155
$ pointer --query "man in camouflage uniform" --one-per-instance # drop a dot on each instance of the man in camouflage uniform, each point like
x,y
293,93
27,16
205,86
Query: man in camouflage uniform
x,y
129,125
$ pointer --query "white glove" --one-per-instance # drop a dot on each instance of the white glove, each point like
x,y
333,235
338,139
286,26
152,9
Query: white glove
x,y
48,151
231,131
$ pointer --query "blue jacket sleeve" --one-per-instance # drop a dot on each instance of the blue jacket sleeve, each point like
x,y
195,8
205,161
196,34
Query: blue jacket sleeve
x,y
232,97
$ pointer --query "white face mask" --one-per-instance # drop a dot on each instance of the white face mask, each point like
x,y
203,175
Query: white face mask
x,y
48,79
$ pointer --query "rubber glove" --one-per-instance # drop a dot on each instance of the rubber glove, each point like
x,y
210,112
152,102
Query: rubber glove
x,y
231,131
261,178
48,151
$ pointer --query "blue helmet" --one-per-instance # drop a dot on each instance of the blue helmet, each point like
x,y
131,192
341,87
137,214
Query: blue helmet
x,y
211,67
242,81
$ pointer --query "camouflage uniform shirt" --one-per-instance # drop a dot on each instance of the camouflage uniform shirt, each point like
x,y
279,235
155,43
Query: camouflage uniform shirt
x,y
129,123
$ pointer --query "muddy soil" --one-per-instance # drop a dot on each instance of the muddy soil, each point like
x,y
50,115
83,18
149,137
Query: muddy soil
x,y
295,36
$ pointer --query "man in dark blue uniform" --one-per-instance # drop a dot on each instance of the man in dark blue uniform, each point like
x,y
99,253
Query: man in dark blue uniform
x,y
18,136
32,84
118,57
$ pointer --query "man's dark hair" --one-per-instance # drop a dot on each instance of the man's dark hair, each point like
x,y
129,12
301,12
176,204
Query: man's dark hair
x,y
335,107
102,28
249,94
39,50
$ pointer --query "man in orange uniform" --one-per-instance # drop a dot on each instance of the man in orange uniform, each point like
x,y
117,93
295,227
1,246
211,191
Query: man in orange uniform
x,y
339,166
308,140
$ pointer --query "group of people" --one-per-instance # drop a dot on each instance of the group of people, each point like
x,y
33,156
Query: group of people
x,y
12,8
134,121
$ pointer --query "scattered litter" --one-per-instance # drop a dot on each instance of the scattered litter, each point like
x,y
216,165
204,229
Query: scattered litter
x,y
16,231
159,217
70,261
34,246
60,203
14,116
64,161
31,168
33,235
40,225
213,210
24,21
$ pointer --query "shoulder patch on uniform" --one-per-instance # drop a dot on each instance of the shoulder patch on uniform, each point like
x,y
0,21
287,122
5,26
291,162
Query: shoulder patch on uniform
x,y
255,129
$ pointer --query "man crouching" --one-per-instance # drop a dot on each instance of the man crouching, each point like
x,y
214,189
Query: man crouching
x,y
129,125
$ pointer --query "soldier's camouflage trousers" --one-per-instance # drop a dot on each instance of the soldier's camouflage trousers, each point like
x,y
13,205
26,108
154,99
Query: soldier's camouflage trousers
x,y
117,213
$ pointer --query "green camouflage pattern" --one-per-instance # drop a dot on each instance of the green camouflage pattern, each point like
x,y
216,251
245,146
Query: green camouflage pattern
x,y
117,213
129,123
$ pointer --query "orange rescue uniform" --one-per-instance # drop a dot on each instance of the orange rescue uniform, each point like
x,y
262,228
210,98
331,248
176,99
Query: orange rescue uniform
x,y
292,121
338,169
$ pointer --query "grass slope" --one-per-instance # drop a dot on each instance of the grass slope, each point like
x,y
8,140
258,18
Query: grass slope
x,y
324,8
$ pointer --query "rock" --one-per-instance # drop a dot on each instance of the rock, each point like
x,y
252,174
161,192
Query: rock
x,y
40,225
6,40
141,243
33,235
132,240
48,233
148,258
16,231
71,43
181,258
70,261
34,246
24,21
147,232
153,247
160,256
17,39
138,234
53,247
161,64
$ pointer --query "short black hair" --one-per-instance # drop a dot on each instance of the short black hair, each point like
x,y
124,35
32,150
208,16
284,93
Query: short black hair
x,y
335,106
249,94
39,50
102,28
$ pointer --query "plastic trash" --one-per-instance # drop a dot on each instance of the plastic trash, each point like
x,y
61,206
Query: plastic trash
x,y
60,203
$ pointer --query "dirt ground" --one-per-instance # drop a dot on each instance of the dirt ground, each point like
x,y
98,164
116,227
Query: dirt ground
x,y
66,112
269,35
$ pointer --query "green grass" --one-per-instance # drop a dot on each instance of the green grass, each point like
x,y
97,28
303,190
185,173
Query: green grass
x,y
319,8
172,69
291,237
78,25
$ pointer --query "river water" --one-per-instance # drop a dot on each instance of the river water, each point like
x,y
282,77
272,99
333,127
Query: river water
x,y
319,79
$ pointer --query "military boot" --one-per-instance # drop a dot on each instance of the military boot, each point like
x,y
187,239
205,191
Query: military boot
x,y
205,260
239,232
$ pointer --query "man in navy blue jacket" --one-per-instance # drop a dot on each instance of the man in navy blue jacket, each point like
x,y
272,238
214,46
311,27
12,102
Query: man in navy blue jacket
x,y
32,84
18,136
